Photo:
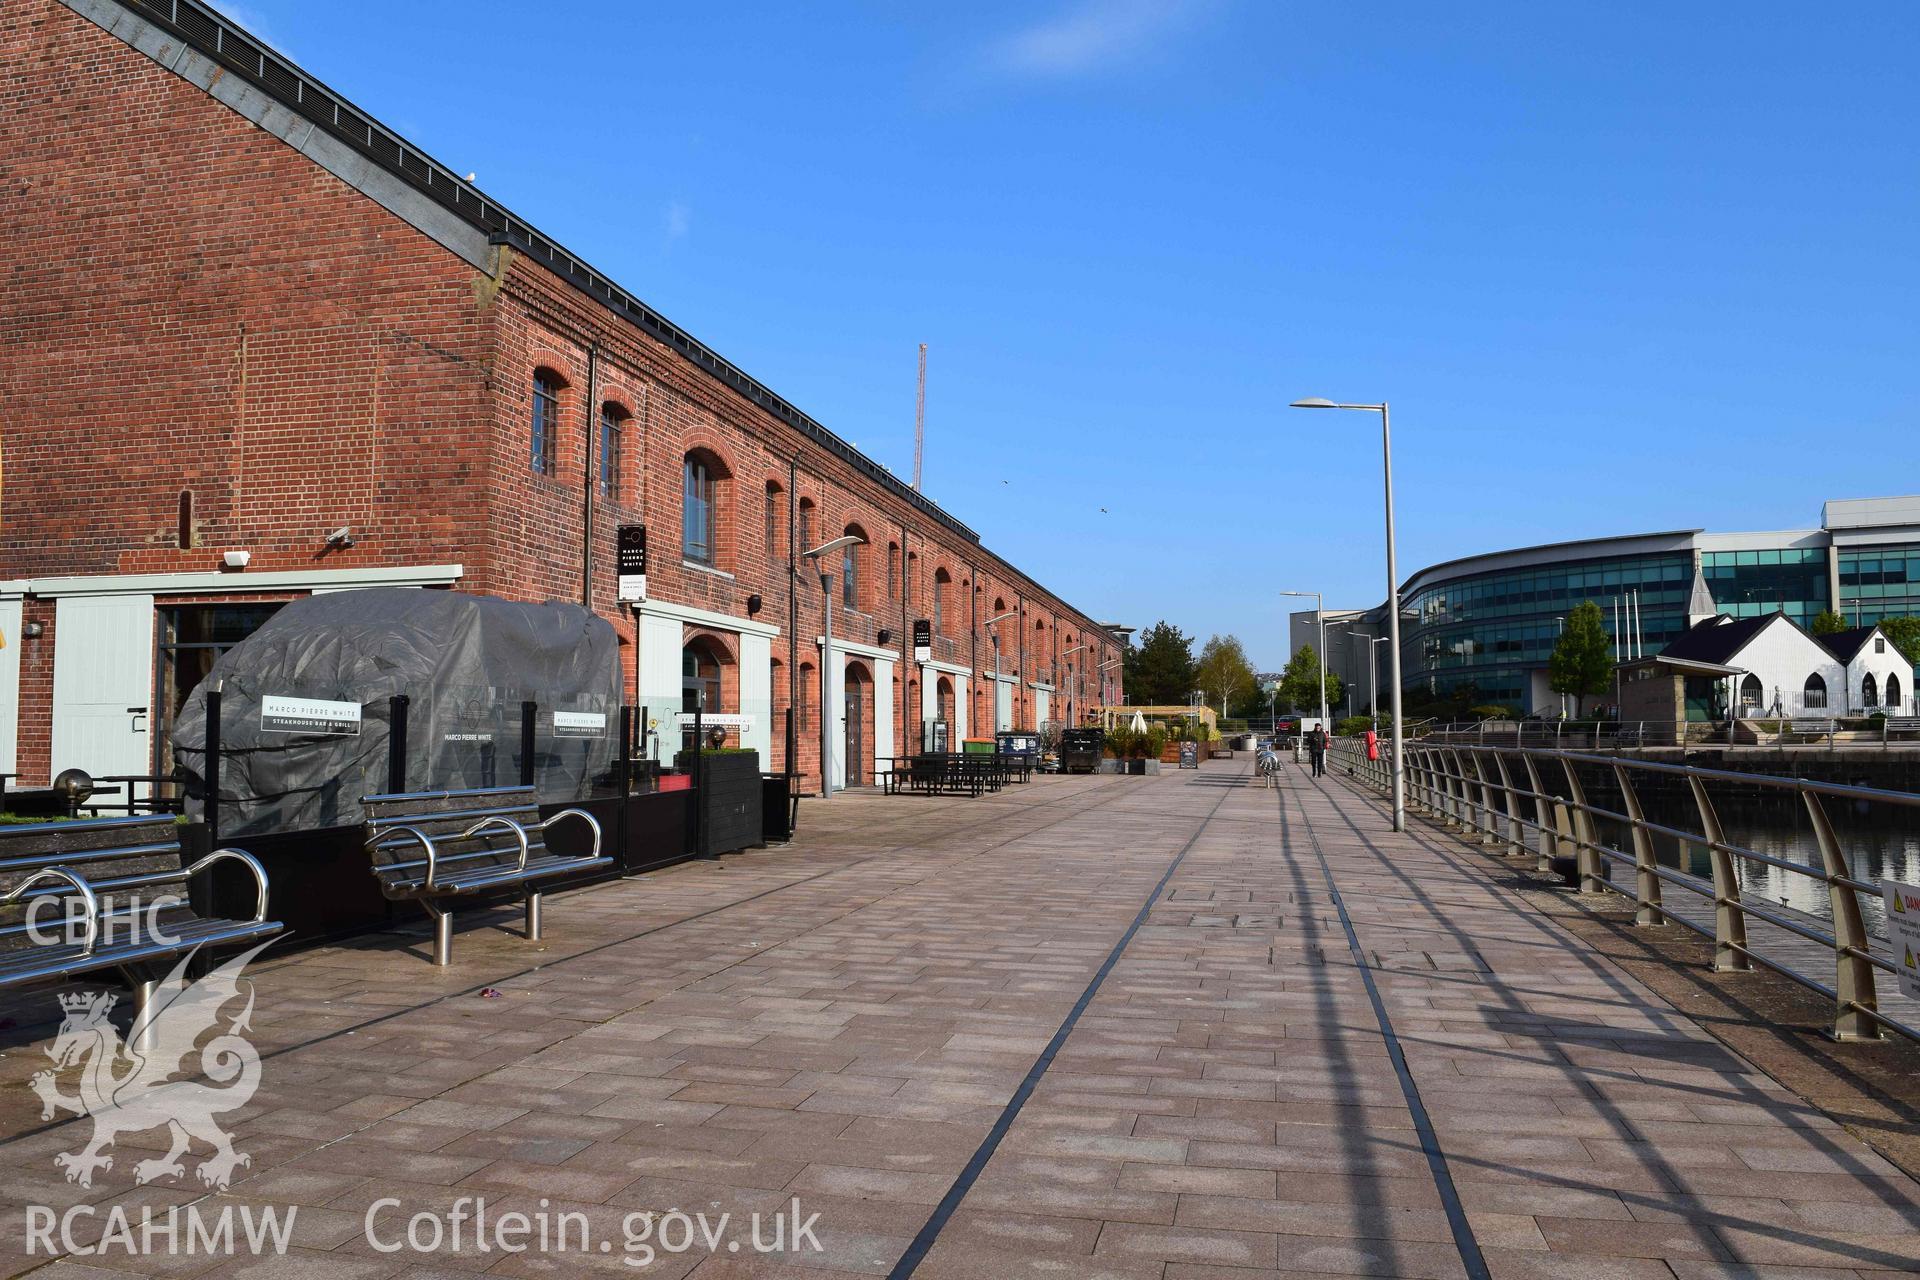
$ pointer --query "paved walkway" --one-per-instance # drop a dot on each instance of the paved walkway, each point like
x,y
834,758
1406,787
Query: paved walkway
x,y
1088,1027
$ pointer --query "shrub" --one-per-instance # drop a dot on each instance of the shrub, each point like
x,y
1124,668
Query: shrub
x,y
1490,711
1352,726
1152,743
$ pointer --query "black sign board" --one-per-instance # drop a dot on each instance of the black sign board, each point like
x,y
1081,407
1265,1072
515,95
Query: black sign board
x,y
1189,755
630,561
922,640
280,714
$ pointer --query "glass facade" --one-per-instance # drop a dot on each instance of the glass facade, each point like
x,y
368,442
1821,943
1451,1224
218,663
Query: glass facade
x,y
1493,630
1747,584
1880,582
1485,638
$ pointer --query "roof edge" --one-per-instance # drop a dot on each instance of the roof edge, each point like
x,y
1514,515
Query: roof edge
x,y
218,37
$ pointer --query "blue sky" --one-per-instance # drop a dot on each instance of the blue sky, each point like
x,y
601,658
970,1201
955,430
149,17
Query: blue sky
x,y
1618,266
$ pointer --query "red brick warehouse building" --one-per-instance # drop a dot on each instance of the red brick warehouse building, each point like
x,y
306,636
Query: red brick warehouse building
x,y
237,315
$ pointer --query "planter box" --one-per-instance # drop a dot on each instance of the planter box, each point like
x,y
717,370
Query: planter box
x,y
730,796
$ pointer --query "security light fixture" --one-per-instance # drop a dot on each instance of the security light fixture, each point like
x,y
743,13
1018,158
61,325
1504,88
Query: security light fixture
x,y
341,537
235,559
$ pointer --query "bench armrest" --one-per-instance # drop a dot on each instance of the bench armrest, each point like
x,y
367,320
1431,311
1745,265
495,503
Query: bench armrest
x,y
584,816
500,820
80,887
251,863
378,834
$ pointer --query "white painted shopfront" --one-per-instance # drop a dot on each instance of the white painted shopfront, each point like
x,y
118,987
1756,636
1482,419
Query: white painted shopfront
x,y
112,695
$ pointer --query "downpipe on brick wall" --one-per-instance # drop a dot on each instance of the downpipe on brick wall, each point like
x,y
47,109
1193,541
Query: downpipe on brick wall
x,y
586,522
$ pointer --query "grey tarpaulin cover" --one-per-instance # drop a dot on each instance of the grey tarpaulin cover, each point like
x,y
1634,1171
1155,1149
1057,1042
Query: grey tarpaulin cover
x,y
466,662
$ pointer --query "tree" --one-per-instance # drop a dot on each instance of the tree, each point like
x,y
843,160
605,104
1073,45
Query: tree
x,y
1582,661
1300,683
1904,635
1160,668
1827,622
1224,673
1254,702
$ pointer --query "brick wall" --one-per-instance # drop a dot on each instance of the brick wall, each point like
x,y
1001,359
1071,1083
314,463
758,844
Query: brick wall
x,y
194,311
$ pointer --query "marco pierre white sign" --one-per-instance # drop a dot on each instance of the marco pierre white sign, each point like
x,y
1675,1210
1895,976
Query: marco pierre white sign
x,y
579,724
308,715
713,719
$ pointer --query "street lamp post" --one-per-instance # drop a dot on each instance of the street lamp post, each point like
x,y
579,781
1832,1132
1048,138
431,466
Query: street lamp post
x,y
1320,616
1393,595
826,659
988,624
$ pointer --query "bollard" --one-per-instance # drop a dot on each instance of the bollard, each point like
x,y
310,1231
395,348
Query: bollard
x,y
397,744
529,722
213,765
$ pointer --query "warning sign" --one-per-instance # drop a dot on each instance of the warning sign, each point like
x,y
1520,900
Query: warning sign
x,y
1903,932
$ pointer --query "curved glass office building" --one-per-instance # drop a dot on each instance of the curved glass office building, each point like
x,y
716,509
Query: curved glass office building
x,y
1490,621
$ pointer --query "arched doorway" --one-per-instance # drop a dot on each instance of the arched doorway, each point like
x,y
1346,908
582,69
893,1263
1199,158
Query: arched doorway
x,y
940,737
858,722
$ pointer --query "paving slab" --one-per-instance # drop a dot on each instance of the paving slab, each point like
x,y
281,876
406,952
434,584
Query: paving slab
x,y
1193,1026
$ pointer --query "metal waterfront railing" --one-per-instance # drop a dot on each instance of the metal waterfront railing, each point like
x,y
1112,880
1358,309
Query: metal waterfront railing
x,y
1537,803
1576,735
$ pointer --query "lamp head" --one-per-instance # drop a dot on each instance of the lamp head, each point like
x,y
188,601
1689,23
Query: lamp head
x,y
827,548
1314,402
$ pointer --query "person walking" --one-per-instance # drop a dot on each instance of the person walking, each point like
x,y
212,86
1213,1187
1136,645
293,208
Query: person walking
x,y
1317,749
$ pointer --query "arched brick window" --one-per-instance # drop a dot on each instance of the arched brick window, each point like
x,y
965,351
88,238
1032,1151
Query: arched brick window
x,y
853,564
613,424
773,523
942,587
544,430
703,494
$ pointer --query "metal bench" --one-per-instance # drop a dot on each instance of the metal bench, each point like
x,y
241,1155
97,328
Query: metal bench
x,y
432,846
1894,725
1813,728
120,886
